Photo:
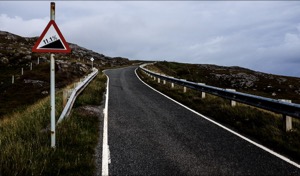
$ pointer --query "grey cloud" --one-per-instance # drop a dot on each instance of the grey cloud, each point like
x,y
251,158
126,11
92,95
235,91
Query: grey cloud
x,y
255,34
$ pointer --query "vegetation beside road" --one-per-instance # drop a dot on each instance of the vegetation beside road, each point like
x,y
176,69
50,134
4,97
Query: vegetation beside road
x,y
21,94
259,125
25,137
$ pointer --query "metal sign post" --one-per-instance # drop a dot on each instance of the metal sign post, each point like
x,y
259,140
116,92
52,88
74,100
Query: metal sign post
x,y
52,41
52,97
52,84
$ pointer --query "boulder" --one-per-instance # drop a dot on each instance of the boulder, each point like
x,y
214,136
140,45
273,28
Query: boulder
x,y
4,60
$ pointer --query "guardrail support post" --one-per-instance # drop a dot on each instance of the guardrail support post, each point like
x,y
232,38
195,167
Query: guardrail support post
x,y
65,97
184,88
164,81
13,79
76,84
22,71
232,102
202,93
287,120
69,92
31,66
154,78
158,80
172,85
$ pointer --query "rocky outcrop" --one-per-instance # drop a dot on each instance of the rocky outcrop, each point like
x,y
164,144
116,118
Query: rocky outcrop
x,y
37,83
238,80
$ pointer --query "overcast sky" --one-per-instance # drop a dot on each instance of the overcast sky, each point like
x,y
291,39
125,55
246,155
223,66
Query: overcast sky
x,y
260,35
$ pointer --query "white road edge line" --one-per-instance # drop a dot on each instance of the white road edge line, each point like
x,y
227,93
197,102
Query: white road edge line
x,y
231,131
105,147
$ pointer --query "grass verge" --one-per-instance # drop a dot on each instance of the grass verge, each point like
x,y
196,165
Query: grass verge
x,y
25,138
261,126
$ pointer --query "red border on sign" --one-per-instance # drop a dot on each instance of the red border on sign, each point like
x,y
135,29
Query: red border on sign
x,y
35,49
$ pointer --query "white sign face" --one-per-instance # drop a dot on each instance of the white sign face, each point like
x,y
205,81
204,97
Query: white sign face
x,y
92,59
50,39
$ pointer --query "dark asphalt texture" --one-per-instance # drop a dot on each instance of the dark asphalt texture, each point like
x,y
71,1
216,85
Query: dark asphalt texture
x,y
149,134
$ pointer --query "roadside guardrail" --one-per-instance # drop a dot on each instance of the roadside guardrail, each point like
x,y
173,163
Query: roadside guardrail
x,y
76,91
287,109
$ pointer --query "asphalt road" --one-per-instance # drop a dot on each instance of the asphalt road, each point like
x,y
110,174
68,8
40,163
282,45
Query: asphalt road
x,y
149,134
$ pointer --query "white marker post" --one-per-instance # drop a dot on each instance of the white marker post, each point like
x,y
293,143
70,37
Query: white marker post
x,y
92,59
52,83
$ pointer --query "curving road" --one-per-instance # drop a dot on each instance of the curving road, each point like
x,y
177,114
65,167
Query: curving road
x,y
149,134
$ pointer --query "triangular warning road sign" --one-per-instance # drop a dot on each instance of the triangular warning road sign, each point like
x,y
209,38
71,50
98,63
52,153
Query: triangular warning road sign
x,y
51,41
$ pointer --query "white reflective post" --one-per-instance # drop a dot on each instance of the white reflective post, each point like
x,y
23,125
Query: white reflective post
x,y
287,120
92,59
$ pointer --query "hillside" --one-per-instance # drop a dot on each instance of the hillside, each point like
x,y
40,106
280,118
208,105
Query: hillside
x,y
241,79
16,50
15,54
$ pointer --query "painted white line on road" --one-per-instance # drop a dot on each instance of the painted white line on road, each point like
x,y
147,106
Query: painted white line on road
x,y
105,147
231,131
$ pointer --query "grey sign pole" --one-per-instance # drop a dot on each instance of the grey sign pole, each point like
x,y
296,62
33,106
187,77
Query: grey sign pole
x,y
52,83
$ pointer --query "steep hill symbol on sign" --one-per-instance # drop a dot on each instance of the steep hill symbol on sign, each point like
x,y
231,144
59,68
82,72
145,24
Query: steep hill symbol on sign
x,y
56,44
51,40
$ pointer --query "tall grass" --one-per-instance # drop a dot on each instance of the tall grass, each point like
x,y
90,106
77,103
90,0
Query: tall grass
x,y
25,138
260,125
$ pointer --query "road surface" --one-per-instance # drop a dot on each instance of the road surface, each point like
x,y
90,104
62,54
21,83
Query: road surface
x,y
149,134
